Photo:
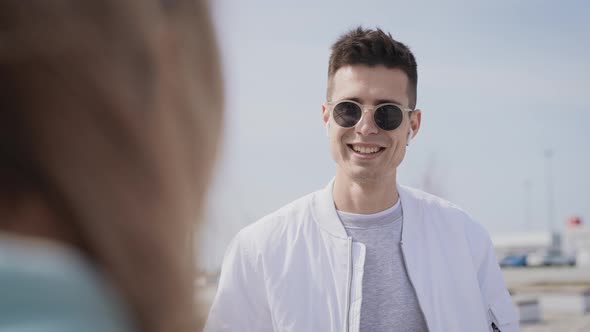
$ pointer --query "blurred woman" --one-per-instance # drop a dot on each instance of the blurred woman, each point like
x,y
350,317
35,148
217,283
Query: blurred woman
x,y
110,113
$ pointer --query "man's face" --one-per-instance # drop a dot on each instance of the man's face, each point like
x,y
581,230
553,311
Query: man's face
x,y
352,148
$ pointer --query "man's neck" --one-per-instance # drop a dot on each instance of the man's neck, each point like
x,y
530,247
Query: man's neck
x,y
364,197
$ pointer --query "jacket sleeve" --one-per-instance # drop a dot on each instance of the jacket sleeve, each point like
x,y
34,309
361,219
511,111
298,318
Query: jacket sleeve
x,y
502,312
241,302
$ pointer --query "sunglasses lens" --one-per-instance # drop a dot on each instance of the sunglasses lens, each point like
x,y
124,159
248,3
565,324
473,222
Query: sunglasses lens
x,y
388,117
347,114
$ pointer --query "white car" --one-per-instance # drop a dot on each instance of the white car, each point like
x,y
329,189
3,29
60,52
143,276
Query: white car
x,y
551,257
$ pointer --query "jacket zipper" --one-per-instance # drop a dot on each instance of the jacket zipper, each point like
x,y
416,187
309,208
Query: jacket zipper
x,y
349,289
494,320
401,245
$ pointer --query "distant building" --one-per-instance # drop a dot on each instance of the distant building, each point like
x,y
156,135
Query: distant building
x,y
522,243
573,241
576,241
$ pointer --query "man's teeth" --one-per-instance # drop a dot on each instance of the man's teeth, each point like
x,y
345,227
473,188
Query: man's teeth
x,y
365,149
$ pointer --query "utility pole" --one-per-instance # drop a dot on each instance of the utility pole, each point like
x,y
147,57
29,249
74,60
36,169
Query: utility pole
x,y
550,199
527,184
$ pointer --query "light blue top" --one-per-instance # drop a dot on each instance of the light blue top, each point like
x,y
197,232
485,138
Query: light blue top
x,y
45,286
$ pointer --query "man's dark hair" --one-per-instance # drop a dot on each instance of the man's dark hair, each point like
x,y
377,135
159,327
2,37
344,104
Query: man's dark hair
x,y
371,48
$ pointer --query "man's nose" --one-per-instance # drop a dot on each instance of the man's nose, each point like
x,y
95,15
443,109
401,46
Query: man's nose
x,y
367,125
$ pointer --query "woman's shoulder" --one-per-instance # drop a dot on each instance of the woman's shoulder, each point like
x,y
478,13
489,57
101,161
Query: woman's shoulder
x,y
47,286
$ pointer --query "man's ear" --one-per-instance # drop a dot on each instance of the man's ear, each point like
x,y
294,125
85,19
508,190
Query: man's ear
x,y
325,114
415,121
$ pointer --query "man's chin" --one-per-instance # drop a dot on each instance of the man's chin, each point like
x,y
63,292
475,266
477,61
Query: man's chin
x,y
363,175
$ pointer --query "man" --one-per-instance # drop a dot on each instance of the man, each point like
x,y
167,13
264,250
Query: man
x,y
365,254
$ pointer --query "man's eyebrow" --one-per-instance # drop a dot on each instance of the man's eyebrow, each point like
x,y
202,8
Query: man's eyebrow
x,y
386,101
378,102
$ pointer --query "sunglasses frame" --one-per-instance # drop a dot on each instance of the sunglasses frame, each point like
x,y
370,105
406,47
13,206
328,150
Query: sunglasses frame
x,y
365,109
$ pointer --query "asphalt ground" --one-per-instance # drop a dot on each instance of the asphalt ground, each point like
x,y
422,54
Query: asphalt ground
x,y
520,280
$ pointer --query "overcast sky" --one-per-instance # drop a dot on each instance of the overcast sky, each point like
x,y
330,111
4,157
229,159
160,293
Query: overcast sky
x,y
499,84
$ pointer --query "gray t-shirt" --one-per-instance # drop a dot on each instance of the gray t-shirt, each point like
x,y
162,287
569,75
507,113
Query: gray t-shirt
x,y
389,302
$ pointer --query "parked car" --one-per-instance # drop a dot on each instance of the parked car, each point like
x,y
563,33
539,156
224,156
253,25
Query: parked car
x,y
551,257
514,260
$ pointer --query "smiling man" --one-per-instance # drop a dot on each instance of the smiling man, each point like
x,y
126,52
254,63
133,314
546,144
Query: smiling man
x,y
365,253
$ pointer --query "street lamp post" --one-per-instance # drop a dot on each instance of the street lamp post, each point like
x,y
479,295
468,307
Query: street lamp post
x,y
527,204
550,199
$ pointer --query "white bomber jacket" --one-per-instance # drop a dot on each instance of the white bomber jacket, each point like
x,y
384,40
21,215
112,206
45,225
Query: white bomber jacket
x,y
296,270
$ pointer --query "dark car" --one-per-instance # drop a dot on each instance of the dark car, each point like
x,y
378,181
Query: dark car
x,y
513,261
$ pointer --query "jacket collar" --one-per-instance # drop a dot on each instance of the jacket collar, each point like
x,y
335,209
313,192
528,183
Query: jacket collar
x,y
326,216
412,214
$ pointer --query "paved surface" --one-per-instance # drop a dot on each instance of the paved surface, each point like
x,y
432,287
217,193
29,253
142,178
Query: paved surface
x,y
560,324
520,276
566,277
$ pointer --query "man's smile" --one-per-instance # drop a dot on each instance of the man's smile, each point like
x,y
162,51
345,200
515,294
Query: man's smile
x,y
366,151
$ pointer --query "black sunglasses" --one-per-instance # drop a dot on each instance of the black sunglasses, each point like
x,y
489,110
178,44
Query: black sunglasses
x,y
388,116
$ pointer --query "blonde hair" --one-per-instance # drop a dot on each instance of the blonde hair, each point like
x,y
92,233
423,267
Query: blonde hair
x,y
113,109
